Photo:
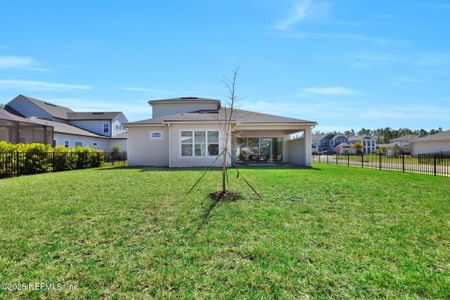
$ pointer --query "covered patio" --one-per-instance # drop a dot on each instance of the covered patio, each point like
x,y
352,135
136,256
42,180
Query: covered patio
x,y
271,144
15,129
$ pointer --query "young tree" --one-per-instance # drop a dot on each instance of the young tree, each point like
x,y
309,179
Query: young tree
x,y
358,146
227,122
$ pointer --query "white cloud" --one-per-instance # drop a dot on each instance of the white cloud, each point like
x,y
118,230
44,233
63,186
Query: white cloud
x,y
302,10
17,62
331,91
39,85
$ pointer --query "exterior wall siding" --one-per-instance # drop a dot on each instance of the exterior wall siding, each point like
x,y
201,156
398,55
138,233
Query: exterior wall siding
x,y
95,126
167,109
430,147
28,109
144,151
102,143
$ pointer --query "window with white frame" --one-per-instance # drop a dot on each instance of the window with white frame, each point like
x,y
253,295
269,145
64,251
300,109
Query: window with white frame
x,y
213,143
105,127
186,143
78,144
94,144
200,143
66,144
156,135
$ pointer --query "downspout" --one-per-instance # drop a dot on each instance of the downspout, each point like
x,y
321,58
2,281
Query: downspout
x,y
170,145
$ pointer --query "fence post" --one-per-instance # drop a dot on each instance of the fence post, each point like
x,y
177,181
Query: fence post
x,y
327,157
403,162
17,163
348,159
319,158
434,162
362,160
336,158
53,161
379,161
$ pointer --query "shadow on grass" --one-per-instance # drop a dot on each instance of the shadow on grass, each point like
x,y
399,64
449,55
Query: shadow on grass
x,y
196,169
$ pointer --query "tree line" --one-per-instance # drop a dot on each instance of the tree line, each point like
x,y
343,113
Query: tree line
x,y
385,135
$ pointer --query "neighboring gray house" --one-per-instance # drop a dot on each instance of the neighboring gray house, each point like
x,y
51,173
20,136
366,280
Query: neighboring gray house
x,y
322,142
438,143
98,130
337,140
188,131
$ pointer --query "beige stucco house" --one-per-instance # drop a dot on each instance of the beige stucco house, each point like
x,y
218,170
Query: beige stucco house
x,y
438,143
189,132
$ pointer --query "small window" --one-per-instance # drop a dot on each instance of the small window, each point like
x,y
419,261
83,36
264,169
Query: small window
x,y
78,144
54,143
186,143
117,126
94,144
156,135
66,144
105,127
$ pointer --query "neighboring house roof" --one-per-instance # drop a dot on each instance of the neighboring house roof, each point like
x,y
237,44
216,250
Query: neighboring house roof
x,y
404,138
55,110
338,136
360,137
343,145
59,127
6,115
74,116
239,116
441,136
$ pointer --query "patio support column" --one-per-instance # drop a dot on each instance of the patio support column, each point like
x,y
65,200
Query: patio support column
x,y
306,147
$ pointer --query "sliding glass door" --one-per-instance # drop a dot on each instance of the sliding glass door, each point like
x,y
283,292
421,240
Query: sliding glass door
x,y
253,149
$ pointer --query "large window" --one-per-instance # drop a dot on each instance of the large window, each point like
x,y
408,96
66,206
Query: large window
x,y
200,143
66,144
78,144
105,127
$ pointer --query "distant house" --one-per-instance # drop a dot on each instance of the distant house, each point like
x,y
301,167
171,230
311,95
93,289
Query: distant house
x,y
337,140
403,142
99,130
368,142
189,131
322,142
433,144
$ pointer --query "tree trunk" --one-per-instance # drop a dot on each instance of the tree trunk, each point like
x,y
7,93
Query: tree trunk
x,y
224,170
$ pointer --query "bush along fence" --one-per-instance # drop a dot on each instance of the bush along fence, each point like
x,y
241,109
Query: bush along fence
x,y
27,159
430,164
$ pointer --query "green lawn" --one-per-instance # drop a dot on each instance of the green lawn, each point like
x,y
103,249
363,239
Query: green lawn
x,y
130,233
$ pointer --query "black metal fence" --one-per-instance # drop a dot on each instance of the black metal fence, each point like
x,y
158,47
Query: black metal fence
x,y
14,164
430,164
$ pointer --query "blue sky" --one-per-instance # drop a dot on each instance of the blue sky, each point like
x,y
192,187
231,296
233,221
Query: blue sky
x,y
346,64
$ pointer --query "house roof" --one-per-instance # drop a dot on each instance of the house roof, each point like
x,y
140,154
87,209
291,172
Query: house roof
x,y
360,137
338,136
441,136
65,113
55,110
318,137
184,99
405,137
239,116
6,115
59,127
73,116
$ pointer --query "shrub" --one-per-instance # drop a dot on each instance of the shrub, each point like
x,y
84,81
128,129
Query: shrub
x,y
21,159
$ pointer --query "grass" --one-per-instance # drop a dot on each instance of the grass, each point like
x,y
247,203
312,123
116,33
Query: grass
x,y
130,233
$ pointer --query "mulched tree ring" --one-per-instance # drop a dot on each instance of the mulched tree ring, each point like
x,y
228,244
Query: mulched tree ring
x,y
227,196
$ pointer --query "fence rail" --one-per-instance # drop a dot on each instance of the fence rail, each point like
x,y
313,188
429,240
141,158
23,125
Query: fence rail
x,y
429,164
17,163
